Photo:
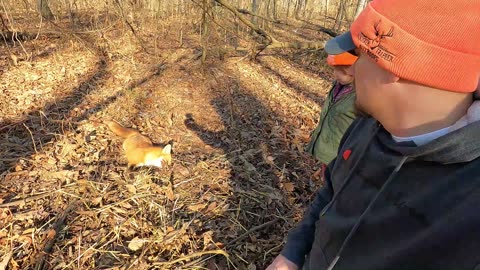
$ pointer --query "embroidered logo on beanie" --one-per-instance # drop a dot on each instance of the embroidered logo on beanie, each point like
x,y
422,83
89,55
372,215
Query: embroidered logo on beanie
x,y
371,42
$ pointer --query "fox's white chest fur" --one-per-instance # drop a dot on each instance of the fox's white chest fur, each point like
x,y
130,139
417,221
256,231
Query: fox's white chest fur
x,y
152,162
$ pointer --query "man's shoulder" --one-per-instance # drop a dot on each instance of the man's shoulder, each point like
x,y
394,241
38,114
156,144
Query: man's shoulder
x,y
362,125
362,128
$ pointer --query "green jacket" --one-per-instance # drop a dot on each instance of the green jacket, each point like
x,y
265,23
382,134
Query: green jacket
x,y
335,118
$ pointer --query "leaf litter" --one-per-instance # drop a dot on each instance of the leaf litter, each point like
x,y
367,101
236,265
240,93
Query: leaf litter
x,y
239,181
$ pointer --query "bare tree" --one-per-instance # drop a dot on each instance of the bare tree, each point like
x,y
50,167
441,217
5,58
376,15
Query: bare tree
x,y
272,7
44,9
360,5
204,29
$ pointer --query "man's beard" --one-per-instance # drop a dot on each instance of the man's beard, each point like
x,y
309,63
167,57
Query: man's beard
x,y
360,111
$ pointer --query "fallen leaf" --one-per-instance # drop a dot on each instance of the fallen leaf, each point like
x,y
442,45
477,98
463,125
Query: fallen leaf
x,y
289,187
183,171
82,186
28,231
25,239
119,210
131,189
207,238
97,201
269,160
196,207
249,166
169,193
212,206
136,244
18,167
51,234
6,260
125,205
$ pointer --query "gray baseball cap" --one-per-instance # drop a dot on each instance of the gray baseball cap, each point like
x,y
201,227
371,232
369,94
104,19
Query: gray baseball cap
x,y
340,44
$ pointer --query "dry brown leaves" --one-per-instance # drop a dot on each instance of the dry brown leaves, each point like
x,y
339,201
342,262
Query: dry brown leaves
x,y
239,180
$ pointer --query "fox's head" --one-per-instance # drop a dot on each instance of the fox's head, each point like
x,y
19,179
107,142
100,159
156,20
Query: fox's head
x,y
159,156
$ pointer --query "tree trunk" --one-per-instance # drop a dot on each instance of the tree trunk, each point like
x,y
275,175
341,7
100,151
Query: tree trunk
x,y
204,30
274,10
44,9
267,38
254,10
340,16
268,8
296,9
288,9
360,6
305,4
327,4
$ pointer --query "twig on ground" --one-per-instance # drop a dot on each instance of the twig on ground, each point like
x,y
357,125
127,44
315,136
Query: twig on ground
x,y
31,136
52,235
256,228
25,200
6,260
193,255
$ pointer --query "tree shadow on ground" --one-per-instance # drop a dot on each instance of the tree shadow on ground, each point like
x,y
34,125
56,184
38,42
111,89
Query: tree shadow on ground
x,y
301,90
268,176
26,136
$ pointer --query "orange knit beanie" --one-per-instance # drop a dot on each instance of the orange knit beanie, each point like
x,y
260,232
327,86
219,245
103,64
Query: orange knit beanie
x,y
435,43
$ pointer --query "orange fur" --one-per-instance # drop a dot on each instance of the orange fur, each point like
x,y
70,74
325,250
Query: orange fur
x,y
139,149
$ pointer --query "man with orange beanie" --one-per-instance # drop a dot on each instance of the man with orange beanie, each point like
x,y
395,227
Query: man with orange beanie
x,y
404,190
338,111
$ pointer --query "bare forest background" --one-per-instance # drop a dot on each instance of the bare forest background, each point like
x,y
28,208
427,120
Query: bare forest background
x,y
220,24
235,85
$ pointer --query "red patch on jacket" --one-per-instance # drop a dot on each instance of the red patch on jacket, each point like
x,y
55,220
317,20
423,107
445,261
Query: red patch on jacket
x,y
346,154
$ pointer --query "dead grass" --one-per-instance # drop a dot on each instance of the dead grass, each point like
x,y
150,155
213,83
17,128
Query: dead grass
x,y
239,180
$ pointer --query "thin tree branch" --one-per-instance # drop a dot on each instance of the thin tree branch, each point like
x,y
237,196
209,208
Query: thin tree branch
x,y
255,28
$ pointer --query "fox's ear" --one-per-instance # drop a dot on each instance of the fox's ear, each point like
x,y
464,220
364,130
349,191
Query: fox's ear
x,y
167,149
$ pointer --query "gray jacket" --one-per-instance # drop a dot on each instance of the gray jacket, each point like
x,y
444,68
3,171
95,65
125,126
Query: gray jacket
x,y
389,205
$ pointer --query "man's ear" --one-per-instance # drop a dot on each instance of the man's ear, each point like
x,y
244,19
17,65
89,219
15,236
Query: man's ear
x,y
388,77
476,94
394,78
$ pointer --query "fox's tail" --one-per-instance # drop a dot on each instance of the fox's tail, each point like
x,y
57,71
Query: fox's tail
x,y
120,130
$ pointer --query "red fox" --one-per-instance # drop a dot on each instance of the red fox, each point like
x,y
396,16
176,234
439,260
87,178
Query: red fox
x,y
139,149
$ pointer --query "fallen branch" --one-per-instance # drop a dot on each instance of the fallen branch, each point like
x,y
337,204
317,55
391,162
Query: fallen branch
x,y
53,234
31,136
256,228
25,200
64,31
193,255
202,258
307,25
315,27
297,45
248,12
290,45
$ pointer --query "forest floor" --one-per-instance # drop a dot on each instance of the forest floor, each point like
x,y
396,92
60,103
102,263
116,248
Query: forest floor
x,y
240,178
